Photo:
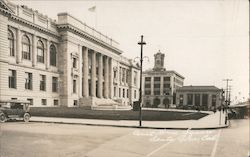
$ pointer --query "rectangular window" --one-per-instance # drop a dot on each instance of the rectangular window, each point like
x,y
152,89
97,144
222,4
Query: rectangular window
x,y
40,55
54,84
31,101
44,102
119,92
127,94
28,80
157,85
74,63
157,78
190,99
11,47
166,78
127,76
120,75
115,74
123,75
12,78
114,91
123,93
147,78
56,102
74,86
147,85
166,85
26,51
157,92
42,82
134,94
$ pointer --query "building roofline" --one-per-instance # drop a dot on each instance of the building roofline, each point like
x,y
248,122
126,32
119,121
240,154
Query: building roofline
x,y
199,87
151,71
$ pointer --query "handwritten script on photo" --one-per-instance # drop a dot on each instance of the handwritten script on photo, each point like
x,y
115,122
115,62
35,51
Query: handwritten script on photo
x,y
180,136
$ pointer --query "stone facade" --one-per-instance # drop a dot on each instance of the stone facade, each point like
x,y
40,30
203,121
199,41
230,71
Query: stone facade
x,y
159,85
61,63
202,97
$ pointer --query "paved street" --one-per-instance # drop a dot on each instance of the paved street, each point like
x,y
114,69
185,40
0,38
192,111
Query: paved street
x,y
48,139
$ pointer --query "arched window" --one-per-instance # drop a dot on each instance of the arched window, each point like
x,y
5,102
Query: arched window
x,y
52,55
11,43
26,47
40,51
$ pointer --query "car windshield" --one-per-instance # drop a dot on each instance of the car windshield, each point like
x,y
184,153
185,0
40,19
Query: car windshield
x,y
16,106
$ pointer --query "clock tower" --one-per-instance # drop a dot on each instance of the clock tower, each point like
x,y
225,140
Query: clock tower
x,y
159,61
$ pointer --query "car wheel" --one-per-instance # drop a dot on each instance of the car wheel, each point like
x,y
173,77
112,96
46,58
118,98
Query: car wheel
x,y
2,117
26,117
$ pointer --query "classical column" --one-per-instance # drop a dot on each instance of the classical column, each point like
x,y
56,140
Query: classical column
x,y
111,76
47,54
85,73
93,74
193,99
200,99
18,46
80,70
106,78
34,51
100,75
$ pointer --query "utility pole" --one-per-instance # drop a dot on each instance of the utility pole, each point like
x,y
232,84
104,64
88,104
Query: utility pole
x,y
140,98
227,90
227,97
229,94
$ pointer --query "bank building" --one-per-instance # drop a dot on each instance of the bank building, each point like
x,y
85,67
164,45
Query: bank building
x,y
61,62
160,85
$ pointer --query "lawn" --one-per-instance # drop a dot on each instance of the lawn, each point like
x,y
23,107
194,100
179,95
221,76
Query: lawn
x,y
113,115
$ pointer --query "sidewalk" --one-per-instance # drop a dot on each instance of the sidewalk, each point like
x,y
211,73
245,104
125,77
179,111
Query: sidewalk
x,y
208,122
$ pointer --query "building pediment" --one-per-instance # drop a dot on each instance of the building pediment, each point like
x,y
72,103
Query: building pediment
x,y
5,8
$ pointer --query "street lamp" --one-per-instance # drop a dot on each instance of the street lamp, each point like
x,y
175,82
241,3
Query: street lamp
x,y
140,98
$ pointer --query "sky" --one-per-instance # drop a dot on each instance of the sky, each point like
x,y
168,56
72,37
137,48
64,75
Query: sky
x,y
206,41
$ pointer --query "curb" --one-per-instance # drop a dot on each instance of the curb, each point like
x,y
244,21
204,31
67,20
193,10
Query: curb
x,y
138,127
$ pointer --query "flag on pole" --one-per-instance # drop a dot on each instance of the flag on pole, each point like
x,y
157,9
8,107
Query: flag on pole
x,y
92,9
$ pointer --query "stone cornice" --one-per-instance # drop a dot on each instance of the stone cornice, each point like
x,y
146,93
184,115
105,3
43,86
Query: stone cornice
x,y
5,9
30,24
71,28
5,12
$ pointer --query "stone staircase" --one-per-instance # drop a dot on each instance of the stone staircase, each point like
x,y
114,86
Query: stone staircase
x,y
102,104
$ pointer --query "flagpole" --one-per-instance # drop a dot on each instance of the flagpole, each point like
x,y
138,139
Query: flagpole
x,y
96,19
93,9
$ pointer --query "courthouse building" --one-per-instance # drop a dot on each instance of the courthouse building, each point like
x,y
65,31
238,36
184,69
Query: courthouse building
x,y
159,84
61,62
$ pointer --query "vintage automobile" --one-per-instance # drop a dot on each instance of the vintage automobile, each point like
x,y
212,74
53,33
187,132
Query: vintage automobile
x,y
14,109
